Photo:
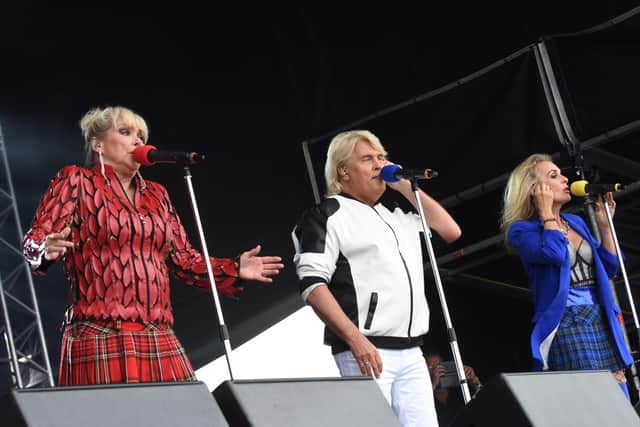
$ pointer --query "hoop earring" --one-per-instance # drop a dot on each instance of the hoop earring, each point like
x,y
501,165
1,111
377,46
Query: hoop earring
x,y
101,160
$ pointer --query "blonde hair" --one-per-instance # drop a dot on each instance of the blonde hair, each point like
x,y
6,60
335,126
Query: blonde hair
x,y
98,121
340,150
517,194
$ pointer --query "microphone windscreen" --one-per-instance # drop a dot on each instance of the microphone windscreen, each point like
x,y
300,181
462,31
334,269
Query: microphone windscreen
x,y
579,188
388,173
141,154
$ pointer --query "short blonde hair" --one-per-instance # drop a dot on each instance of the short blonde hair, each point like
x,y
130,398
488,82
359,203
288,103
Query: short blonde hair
x,y
518,203
340,150
97,122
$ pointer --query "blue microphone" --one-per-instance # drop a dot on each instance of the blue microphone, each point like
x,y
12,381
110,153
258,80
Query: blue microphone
x,y
394,173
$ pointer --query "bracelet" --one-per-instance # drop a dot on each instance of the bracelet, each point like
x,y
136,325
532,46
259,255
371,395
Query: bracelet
x,y
544,221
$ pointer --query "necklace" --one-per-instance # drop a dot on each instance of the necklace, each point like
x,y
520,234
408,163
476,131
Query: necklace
x,y
566,227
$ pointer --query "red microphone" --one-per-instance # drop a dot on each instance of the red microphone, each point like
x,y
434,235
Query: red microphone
x,y
148,155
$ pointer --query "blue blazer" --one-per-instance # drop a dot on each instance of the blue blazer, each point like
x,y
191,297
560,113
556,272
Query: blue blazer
x,y
545,256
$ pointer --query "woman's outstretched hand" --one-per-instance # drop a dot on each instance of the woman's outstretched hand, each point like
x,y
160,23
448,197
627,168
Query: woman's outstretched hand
x,y
56,244
260,268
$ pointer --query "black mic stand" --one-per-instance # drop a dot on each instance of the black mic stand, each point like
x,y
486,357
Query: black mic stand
x,y
589,205
464,386
589,200
224,333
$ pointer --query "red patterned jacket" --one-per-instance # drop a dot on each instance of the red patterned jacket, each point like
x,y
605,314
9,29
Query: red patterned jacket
x,y
119,267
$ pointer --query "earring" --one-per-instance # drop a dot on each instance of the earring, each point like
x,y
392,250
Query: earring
x,y
101,160
344,172
143,184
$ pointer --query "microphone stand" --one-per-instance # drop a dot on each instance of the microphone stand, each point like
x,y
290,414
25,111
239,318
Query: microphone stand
x,y
464,386
224,333
622,267
589,203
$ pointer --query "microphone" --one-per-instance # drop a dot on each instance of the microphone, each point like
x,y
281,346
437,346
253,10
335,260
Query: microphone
x,y
582,188
148,155
393,173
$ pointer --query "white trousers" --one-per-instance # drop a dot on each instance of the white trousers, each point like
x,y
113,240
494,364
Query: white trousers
x,y
404,382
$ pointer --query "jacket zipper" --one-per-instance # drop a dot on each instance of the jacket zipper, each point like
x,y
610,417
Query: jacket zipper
x,y
142,260
144,266
406,269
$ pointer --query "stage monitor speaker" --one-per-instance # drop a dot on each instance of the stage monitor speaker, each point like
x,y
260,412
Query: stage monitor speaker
x,y
310,402
147,404
549,399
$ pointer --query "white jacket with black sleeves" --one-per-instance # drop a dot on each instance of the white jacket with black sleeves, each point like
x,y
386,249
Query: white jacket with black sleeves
x,y
371,258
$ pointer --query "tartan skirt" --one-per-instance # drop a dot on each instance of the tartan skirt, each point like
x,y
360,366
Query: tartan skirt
x,y
583,342
113,352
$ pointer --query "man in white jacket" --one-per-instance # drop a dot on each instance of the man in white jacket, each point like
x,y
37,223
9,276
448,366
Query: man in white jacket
x,y
360,267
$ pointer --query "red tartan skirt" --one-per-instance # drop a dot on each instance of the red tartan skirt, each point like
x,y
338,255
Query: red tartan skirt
x,y
112,352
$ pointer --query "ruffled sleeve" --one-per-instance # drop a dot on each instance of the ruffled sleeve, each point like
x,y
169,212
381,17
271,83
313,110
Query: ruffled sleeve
x,y
54,213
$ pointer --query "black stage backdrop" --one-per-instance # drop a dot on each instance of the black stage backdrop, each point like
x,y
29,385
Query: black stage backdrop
x,y
247,85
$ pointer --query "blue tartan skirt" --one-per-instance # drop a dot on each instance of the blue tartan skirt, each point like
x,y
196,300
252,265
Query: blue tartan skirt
x,y
584,342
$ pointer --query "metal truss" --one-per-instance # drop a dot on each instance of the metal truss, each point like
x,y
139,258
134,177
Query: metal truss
x,y
22,333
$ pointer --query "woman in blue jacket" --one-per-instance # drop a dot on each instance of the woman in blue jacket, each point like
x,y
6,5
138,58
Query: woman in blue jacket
x,y
577,324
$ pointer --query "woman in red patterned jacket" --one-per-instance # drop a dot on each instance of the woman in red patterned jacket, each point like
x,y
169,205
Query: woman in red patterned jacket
x,y
119,237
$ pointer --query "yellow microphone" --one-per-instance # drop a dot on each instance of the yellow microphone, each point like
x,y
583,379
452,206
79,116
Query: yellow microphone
x,y
582,188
